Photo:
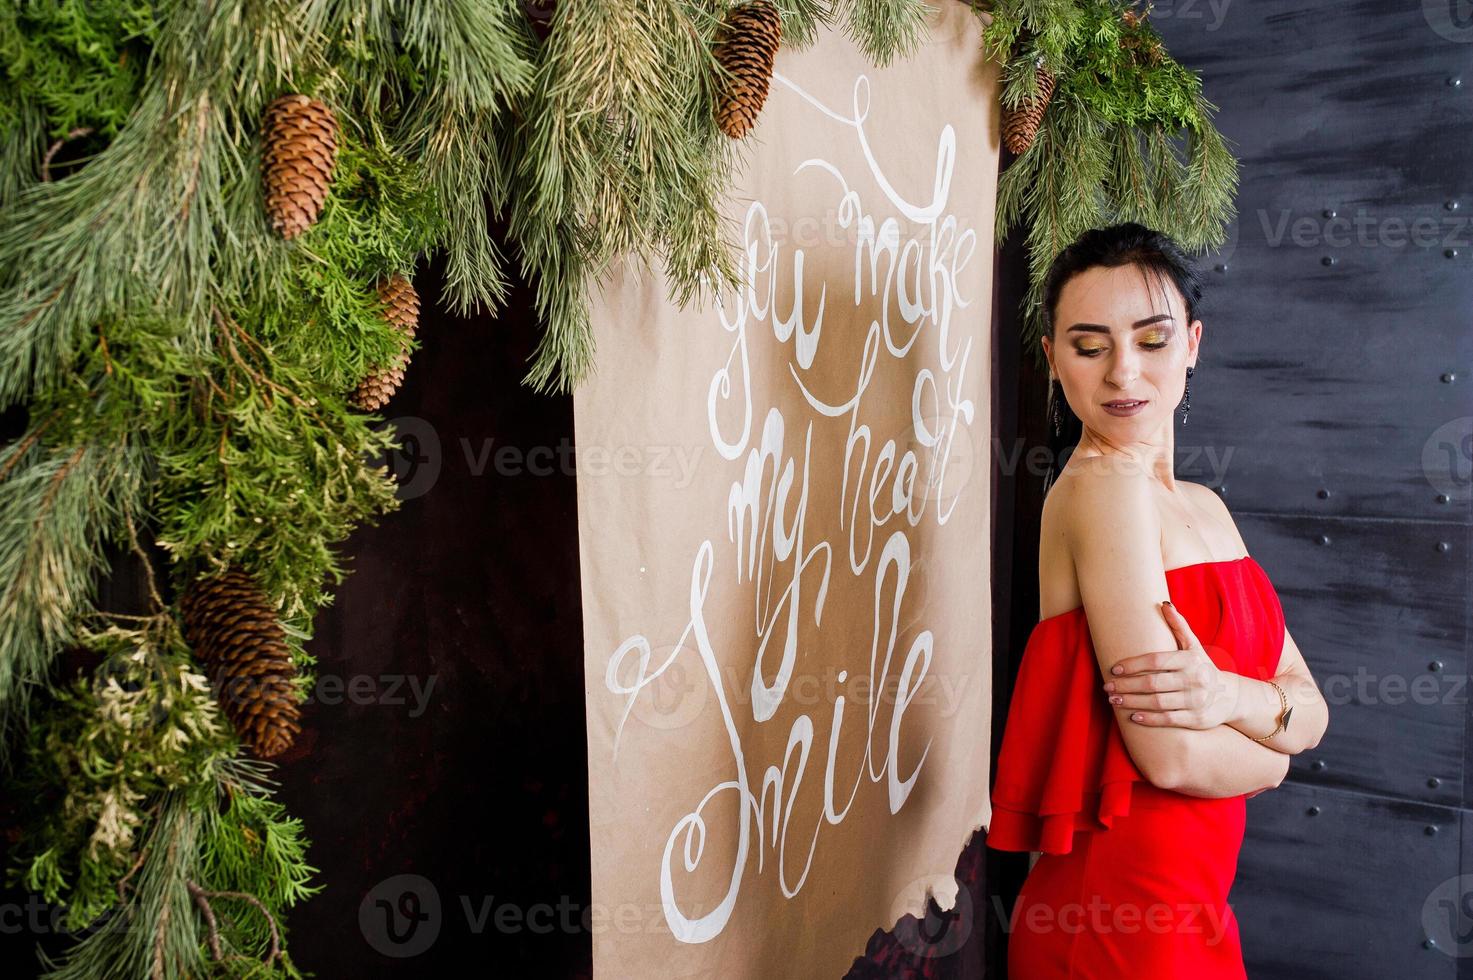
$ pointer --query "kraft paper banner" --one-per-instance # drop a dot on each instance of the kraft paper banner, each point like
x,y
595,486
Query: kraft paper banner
x,y
783,519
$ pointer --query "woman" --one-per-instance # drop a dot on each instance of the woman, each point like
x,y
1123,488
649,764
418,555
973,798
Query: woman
x,y
1128,770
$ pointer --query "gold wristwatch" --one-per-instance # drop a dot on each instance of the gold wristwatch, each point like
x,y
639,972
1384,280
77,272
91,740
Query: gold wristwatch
x,y
1283,718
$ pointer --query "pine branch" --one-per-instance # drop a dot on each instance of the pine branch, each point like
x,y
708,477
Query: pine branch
x,y
139,227
59,504
887,29
801,21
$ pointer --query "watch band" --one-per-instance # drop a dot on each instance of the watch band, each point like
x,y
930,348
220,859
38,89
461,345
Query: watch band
x,y
1285,710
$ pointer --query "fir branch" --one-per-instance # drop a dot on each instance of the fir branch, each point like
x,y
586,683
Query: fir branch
x,y
801,21
887,29
1106,150
139,227
471,60
142,722
58,506
269,470
617,154
155,933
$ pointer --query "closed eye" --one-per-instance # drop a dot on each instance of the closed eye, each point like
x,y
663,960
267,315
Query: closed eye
x,y
1097,351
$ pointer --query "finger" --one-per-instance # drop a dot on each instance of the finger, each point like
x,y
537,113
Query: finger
x,y
1150,663
1161,719
1185,638
1164,680
1140,662
1165,701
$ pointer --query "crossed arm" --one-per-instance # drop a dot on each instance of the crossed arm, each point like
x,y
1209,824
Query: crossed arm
x,y
1113,534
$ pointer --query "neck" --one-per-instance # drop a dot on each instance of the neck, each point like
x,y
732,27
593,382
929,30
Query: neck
x,y
1155,456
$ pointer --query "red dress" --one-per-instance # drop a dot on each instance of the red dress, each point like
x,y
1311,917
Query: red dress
x,y
1133,880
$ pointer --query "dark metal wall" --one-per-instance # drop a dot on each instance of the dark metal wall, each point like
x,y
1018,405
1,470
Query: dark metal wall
x,y
1332,409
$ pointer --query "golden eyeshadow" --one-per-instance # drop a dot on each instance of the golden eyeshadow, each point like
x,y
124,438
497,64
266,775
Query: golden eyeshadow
x,y
1156,337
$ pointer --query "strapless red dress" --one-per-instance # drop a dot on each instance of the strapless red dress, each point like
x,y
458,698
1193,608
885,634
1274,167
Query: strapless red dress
x,y
1133,880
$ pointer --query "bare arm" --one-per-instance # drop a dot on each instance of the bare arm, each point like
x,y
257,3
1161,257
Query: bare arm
x,y
1259,706
1114,535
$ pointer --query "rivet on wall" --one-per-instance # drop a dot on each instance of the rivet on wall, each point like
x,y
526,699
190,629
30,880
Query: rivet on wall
x,y
1323,539
1443,498
1317,765
1430,830
1455,81
1328,260
1443,547
1324,494
1222,489
1313,811
1451,205
1221,267
1328,212
1433,782
1435,666
1448,377
1451,253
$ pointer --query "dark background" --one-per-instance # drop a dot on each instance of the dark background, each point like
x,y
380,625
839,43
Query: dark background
x,y
1331,362
1332,384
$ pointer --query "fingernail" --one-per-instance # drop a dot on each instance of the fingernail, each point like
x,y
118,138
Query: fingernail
x,y
1166,602
1109,685
1135,717
1117,669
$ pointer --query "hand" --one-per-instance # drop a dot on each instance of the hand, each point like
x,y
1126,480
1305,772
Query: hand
x,y
1179,688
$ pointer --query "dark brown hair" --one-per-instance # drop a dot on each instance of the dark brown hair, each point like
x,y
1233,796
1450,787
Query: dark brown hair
x,y
1128,243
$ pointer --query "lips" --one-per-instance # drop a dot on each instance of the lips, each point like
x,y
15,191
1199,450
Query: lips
x,y
1125,403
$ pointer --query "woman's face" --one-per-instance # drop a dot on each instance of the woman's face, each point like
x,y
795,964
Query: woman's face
x,y
1117,339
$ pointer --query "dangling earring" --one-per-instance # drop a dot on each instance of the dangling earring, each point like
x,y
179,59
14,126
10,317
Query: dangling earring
x,y
1057,393
1186,400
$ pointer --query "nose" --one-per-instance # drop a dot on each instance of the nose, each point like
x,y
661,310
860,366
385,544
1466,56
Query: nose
x,y
1124,368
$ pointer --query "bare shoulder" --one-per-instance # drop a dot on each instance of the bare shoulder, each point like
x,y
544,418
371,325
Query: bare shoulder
x,y
1207,500
1097,499
1095,484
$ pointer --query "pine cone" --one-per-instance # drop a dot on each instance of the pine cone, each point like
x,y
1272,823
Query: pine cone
x,y
748,43
1020,126
233,630
401,308
299,139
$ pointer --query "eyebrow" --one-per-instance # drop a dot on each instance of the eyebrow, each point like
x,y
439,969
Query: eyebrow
x,y
1101,328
